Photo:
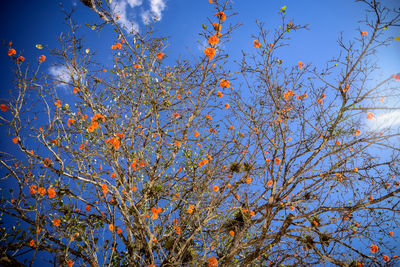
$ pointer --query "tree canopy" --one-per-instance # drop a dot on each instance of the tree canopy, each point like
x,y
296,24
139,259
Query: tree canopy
x,y
195,164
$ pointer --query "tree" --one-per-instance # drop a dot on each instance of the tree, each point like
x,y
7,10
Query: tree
x,y
156,165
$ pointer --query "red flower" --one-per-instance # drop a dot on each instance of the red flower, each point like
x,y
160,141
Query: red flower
x,y
3,107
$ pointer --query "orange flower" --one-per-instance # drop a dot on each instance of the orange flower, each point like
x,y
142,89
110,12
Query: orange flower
x,y
232,233
226,106
160,55
177,143
133,165
386,258
42,58
196,134
355,169
208,117
70,121
32,243
391,233
175,115
111,227
220,94
370,115
213,40
47,162
374,248
87,208
287,95
70,263
76,90
364,33
116,46
15,140
300,64
11,52
210,1
216,188
51,192
3,107
291,207
137,66
257,44
357,132
270,183
396,77
155,212
20,59
190,209
371,198
56,222
221,15
224,83
210,52
32,189
216,26
114,142
104,188
338,143
212,262
42,191
248,180
277,161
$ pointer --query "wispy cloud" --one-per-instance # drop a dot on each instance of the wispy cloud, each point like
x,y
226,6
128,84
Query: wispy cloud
x,y
126,9
386,120
62,74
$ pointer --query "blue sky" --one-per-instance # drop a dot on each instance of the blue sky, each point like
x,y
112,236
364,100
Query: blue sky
x,y
27,23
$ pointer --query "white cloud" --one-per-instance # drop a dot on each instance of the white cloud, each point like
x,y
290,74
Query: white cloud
x,y
133,3
124,8
386,120
157,6
62,74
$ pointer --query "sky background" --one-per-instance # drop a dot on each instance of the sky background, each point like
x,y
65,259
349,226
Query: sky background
x,y
27,23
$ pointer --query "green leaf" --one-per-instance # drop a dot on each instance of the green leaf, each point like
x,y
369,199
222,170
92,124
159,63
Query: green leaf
x,y
39,46
385,27
283,9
